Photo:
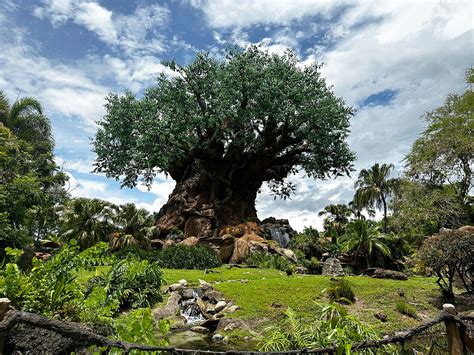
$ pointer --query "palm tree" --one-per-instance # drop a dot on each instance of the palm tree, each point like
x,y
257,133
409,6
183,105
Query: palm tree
x,y
363,238
374,187
88,221
135,227
26,120
357,207
337,216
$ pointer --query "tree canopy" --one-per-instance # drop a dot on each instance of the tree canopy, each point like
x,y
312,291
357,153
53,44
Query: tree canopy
x,y
252,110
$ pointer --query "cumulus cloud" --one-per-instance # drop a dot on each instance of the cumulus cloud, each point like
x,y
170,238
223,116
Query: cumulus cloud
x,y
133,34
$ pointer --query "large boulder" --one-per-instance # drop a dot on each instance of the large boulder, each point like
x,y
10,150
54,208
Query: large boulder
x,y
226,248
189,242
380,273
332,267
278,230
246,245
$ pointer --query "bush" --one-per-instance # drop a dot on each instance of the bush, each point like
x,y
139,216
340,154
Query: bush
x,y
332,326
132,283
340,290
310,243
447,254
268,261
188,257
406,309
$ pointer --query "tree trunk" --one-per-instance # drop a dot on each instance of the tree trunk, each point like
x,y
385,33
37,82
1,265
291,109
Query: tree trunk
x,y
201,204
384,214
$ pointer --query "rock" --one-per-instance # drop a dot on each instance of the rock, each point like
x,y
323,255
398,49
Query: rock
x,y
332,267
175,287
278,230
226,247
230,309
202,306
50,244
380,273
381,316
244,246
157,244
168,243
212,295
230,327
187,293
219,306
301,270
42,256
183,282
217,337
465,230
189,242
171,308
26,259
204,285
199,329
289,254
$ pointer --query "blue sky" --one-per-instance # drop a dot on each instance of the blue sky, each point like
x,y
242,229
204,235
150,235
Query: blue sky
x,y
391,60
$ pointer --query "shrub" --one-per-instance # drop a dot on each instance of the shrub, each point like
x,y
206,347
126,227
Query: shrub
x,y
406,309
188,257
133,283
268,261
449,253
310,243
332,326
340,290
138,327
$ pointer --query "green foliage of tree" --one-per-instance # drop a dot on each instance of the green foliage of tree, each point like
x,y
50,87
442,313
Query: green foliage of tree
x,y
374,187
221,128
420,210
133,227
89,221
188,257
336,220
444,153
363,238
448,253
310,243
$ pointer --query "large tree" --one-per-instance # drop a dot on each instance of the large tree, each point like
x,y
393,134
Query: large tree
x,y
337,216
220,129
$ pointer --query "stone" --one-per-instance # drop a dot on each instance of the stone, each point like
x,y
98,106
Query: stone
x,y
5,304
168,243
183,282
381,316
219,306
217,337
379,273
171,308
175,287
199,329
278,230
157,244
245,245
187,293
204,285
231,309
332,267
301,270
465,230
289,254
189,242
226,247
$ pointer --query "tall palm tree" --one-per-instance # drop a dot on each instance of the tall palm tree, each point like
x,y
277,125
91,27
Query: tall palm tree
x,y
26,120
337,216
363,238
374,187
135,227
357,207
88,221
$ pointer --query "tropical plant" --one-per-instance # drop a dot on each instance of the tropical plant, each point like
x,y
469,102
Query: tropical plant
x,y
337,216
134,227
331,326
374,187
340,290
188,257
310,243
88,221
225,127
133,283
363,238
26,120
268,261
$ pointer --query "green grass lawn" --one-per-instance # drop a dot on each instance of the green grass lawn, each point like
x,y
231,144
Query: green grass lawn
x,y
267,292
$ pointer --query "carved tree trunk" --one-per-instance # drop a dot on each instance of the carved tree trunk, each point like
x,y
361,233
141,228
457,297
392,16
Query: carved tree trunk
x,y
201,204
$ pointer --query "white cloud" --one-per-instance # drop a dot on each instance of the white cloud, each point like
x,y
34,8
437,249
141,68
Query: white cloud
x,y
243,13
135,33
161,188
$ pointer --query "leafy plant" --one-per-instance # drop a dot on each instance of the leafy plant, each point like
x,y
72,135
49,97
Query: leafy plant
x,y
406,309
340,290
268,261
188,257
310,243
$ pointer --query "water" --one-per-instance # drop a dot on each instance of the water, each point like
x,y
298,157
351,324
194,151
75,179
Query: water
x,y
283,239
191,311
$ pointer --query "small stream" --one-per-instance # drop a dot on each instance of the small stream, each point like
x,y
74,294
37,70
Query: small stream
x,y
191,311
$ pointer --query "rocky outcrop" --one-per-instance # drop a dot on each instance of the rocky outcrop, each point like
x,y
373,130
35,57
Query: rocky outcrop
x,y
379,273
332,267
278,230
